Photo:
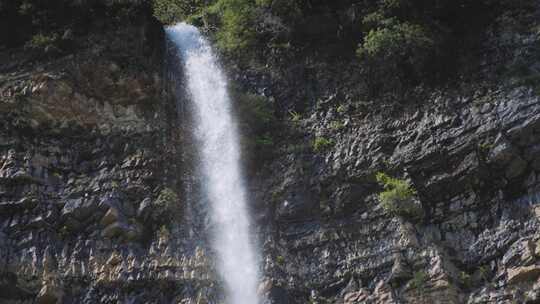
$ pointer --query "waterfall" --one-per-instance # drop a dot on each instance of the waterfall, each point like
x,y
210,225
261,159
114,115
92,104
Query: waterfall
x,y
216,134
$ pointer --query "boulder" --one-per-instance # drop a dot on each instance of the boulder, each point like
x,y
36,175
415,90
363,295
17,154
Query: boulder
x,y
356,297
50,294
502,152
145,209
523,274
113,215
516,167
125,231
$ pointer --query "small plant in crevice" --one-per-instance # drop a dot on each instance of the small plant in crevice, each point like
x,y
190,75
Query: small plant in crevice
x,y
337,125
398,197
465,279
166,206
257,121
43,43
483,150
295,116
115,185
419,280
166,197
484,272
280,260
298,148
321,144
264,141
164,232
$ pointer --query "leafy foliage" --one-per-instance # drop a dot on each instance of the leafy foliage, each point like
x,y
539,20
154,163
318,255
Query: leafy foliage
x,y
257,120
397,197
321,144
397,42
237,24
419,280
167,202
295,116
233,19
43,42
171,11
167,196
37,22
337,125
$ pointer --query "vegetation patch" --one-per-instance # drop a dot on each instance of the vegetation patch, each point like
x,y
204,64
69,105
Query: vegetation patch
x,y
419,281
337,125
398,197
166,206
295,116
321,144
43,43
257,121
172,11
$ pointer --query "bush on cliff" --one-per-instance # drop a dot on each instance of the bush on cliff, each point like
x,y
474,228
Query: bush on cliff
x,y
398,197
258,123
32,22
399,48
321,144
234,20
171,11
43,43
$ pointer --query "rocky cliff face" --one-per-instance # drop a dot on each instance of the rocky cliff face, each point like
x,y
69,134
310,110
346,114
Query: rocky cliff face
x,y
96,203
90,175
472,162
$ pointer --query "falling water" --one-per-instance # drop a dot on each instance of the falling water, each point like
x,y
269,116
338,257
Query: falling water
x,y
219,156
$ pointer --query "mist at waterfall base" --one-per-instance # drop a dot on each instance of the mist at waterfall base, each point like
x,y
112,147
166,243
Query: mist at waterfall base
x,y
216,134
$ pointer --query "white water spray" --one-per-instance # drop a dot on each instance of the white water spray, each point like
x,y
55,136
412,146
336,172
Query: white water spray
x,y
216,133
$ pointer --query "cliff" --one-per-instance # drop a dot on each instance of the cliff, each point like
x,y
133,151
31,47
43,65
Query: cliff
x,y
96,202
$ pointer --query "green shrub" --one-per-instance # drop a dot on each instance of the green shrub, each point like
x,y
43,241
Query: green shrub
x,y
43,43
164,232
484,273
258,108
172,11
321,144
280,260
167,198
295,116
257,120
337,125
264,141
238,22
233,21
396,42
465,279
398,196
397,50
255,111
419,280
165,208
